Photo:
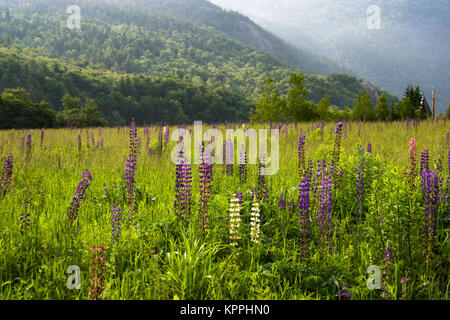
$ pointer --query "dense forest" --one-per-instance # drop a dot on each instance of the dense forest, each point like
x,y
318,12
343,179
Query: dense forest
x,y
155,62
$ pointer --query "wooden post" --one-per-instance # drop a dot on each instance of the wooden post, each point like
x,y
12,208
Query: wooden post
x,y
434,98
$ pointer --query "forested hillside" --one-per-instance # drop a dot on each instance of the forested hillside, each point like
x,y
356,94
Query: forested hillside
x,y
161,40
119,97
410,48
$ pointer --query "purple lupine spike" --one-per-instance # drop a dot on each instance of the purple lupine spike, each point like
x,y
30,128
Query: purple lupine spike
x,y
262,191
431,196
243,165
130,182
413,161
28,145
7,172
301,152
229,157
304,209
116,217
282,202
204,187
424,167
183,186
78,197
369,148
337,143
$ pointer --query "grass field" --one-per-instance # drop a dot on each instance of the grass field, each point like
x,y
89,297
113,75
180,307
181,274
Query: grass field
x,y
370,211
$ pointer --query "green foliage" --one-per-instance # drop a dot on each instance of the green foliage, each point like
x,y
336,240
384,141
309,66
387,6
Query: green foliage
x,y
363,108
118,97
18,111
74,113
381,108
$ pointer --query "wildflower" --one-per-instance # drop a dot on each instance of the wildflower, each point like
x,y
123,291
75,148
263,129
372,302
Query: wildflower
x,y
205,186
115,222
369,148
183,180
234,220
301,152
337,144
7,172
282,202
243,165
255,222
344,294
229,157
28,145
98,270
262,191
78,196
25,215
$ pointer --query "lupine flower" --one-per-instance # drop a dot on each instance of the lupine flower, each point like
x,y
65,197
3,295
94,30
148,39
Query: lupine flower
x,y
115,222
130,183
424,167
344,294
98,270
369,148
255,222
160,140
431,195
28,145
262,192
243,165
301,152
7,172
282,202
25,215
229,157
304,209
234,220
337,143
183,180
134,143
78,196
205,187
360,190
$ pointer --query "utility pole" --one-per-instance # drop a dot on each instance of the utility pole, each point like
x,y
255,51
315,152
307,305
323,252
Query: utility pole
x,y
434,99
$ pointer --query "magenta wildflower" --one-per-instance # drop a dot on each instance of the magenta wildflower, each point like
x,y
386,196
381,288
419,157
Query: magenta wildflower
x,y
98,270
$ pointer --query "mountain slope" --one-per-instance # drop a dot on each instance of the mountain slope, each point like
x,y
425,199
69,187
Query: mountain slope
x,y
411,47
158,43
119,96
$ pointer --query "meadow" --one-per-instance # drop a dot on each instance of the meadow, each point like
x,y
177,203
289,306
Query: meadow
x,y
344,199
